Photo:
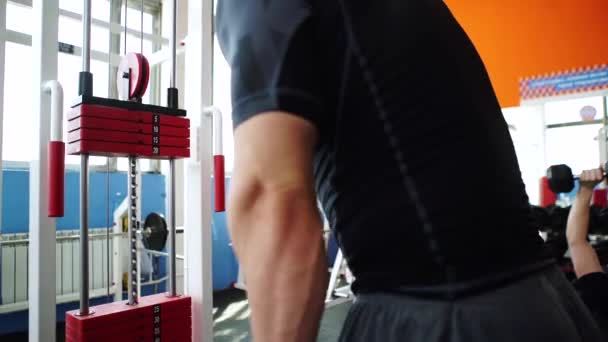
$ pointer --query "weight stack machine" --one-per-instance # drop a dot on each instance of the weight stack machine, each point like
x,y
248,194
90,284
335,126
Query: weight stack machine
x,y
130,129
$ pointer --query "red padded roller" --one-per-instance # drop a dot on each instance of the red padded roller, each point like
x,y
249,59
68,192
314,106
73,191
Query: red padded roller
x,y
547,197
218,176
600,198
56,177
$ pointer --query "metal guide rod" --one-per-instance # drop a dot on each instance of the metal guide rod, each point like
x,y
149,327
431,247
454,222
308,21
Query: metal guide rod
x,y
132,232
172,102
84,235
85,88
110,87
108,225
173,43
86,36
605,111
171,224
126,27
141,24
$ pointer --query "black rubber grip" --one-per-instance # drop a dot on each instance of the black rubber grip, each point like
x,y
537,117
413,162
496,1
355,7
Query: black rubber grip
x,y
85,84
172,98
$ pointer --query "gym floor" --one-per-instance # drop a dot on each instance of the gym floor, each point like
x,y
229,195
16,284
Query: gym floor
x,y
231,320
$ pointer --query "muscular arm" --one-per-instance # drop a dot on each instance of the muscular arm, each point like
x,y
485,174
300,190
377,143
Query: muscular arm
x,y
583,255
276,228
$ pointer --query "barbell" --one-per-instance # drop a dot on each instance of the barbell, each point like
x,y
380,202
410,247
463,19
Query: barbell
x,y
154,232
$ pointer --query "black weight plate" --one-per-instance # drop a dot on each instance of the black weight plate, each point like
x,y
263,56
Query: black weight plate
x,y
155,232
560,178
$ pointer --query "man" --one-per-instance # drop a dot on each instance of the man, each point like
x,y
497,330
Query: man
x,y
592,281
373,106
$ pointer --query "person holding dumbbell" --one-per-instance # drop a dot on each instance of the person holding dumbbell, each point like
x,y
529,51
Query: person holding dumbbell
x,y
592,280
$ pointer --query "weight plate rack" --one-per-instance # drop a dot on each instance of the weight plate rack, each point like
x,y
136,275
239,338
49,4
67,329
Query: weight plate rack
x,y
130,129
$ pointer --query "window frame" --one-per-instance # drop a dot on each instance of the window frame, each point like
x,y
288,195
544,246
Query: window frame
x,y
112,59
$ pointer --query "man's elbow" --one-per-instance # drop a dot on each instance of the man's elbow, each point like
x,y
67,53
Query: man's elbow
x,y
270,206
575,240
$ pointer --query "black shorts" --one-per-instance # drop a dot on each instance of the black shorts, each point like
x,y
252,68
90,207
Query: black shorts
x,y
540,307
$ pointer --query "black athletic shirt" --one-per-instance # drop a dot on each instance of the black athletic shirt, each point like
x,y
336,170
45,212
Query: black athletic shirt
x,y
593,289
415,167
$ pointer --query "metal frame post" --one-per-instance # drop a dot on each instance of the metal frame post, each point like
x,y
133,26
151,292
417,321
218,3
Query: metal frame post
x,y
42,301
172,102
2,61
172,284
173,44
84,235
85,88
197,187
86,36
114,48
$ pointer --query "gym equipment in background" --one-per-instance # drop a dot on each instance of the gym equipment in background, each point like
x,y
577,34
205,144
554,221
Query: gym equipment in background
x,y
340,281
128,128
154,233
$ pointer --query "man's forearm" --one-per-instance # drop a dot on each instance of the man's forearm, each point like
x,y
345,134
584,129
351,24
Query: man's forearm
x,y
578,219
277,238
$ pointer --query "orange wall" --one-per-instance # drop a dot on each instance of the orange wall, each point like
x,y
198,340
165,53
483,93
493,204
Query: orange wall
x,y
518,38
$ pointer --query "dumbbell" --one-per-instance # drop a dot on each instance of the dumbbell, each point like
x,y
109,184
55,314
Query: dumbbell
x,y
561,179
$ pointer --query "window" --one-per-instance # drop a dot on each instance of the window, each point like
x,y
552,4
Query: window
x,y
134,20
559,112
17,107
18,18
17,145
70,32
100,8
575,145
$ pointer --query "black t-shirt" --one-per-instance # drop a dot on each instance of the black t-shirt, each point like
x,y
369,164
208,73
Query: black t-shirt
x,y
415,167
593,289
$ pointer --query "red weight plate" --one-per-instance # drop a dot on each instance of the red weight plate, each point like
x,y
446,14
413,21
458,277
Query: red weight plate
x,y
103,315
166,301
108,149
127,126
126,115
132,65
112,313
126,137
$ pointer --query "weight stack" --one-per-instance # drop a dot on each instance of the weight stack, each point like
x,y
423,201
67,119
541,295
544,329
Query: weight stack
x,y
156,318
102,127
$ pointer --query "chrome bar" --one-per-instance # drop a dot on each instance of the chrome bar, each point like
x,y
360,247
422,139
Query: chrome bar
x,y
86,36
171,225
84,234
